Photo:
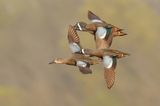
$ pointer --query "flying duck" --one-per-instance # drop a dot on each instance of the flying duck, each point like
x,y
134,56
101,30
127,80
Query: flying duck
x,y
78,58
102,31
109,59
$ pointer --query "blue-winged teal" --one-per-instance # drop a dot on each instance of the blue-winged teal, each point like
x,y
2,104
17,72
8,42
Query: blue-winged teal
x,y
109,58
77,59
102,31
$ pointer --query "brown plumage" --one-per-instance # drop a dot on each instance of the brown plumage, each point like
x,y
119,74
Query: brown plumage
x,y
74,60
109,75
103,36
100,52
102,31
72,35
77,59
92,16
109,58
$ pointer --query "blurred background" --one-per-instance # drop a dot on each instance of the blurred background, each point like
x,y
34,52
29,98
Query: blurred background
x,y
33,32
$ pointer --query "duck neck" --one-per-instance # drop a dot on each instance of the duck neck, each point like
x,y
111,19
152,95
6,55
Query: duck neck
x,y
64,61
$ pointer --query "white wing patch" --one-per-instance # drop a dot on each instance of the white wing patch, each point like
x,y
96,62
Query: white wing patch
x,y
81,64
107,61
101,32
79,26
83,51
96,20
74,47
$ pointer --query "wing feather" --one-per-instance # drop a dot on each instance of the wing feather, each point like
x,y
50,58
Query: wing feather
x,y
74,40
109,74
85,70
93,18
72,35
84,67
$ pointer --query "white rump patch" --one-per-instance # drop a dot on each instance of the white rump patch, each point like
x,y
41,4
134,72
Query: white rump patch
x,y
74,47
96,20
101,32
107,61
81,64
79,26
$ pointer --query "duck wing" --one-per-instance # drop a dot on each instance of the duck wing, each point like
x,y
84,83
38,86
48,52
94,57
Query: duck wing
x,y
74,40
85,70
109,70
109,76
94,18
84,67
103,32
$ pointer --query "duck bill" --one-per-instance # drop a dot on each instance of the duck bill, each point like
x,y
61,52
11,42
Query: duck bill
x,y
120,33
52,62
127,54
120,29
123,55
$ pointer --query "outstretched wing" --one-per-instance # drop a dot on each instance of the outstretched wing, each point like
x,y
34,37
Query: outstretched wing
x,y
109,76
109,70
84,67
74,40
85,70
93,18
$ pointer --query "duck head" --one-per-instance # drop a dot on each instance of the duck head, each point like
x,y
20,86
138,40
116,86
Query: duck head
x,y
57,61
122,54
119,33
117,29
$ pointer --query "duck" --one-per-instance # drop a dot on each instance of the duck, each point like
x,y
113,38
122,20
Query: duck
x,y
109,59
78,59
95,19
102,31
